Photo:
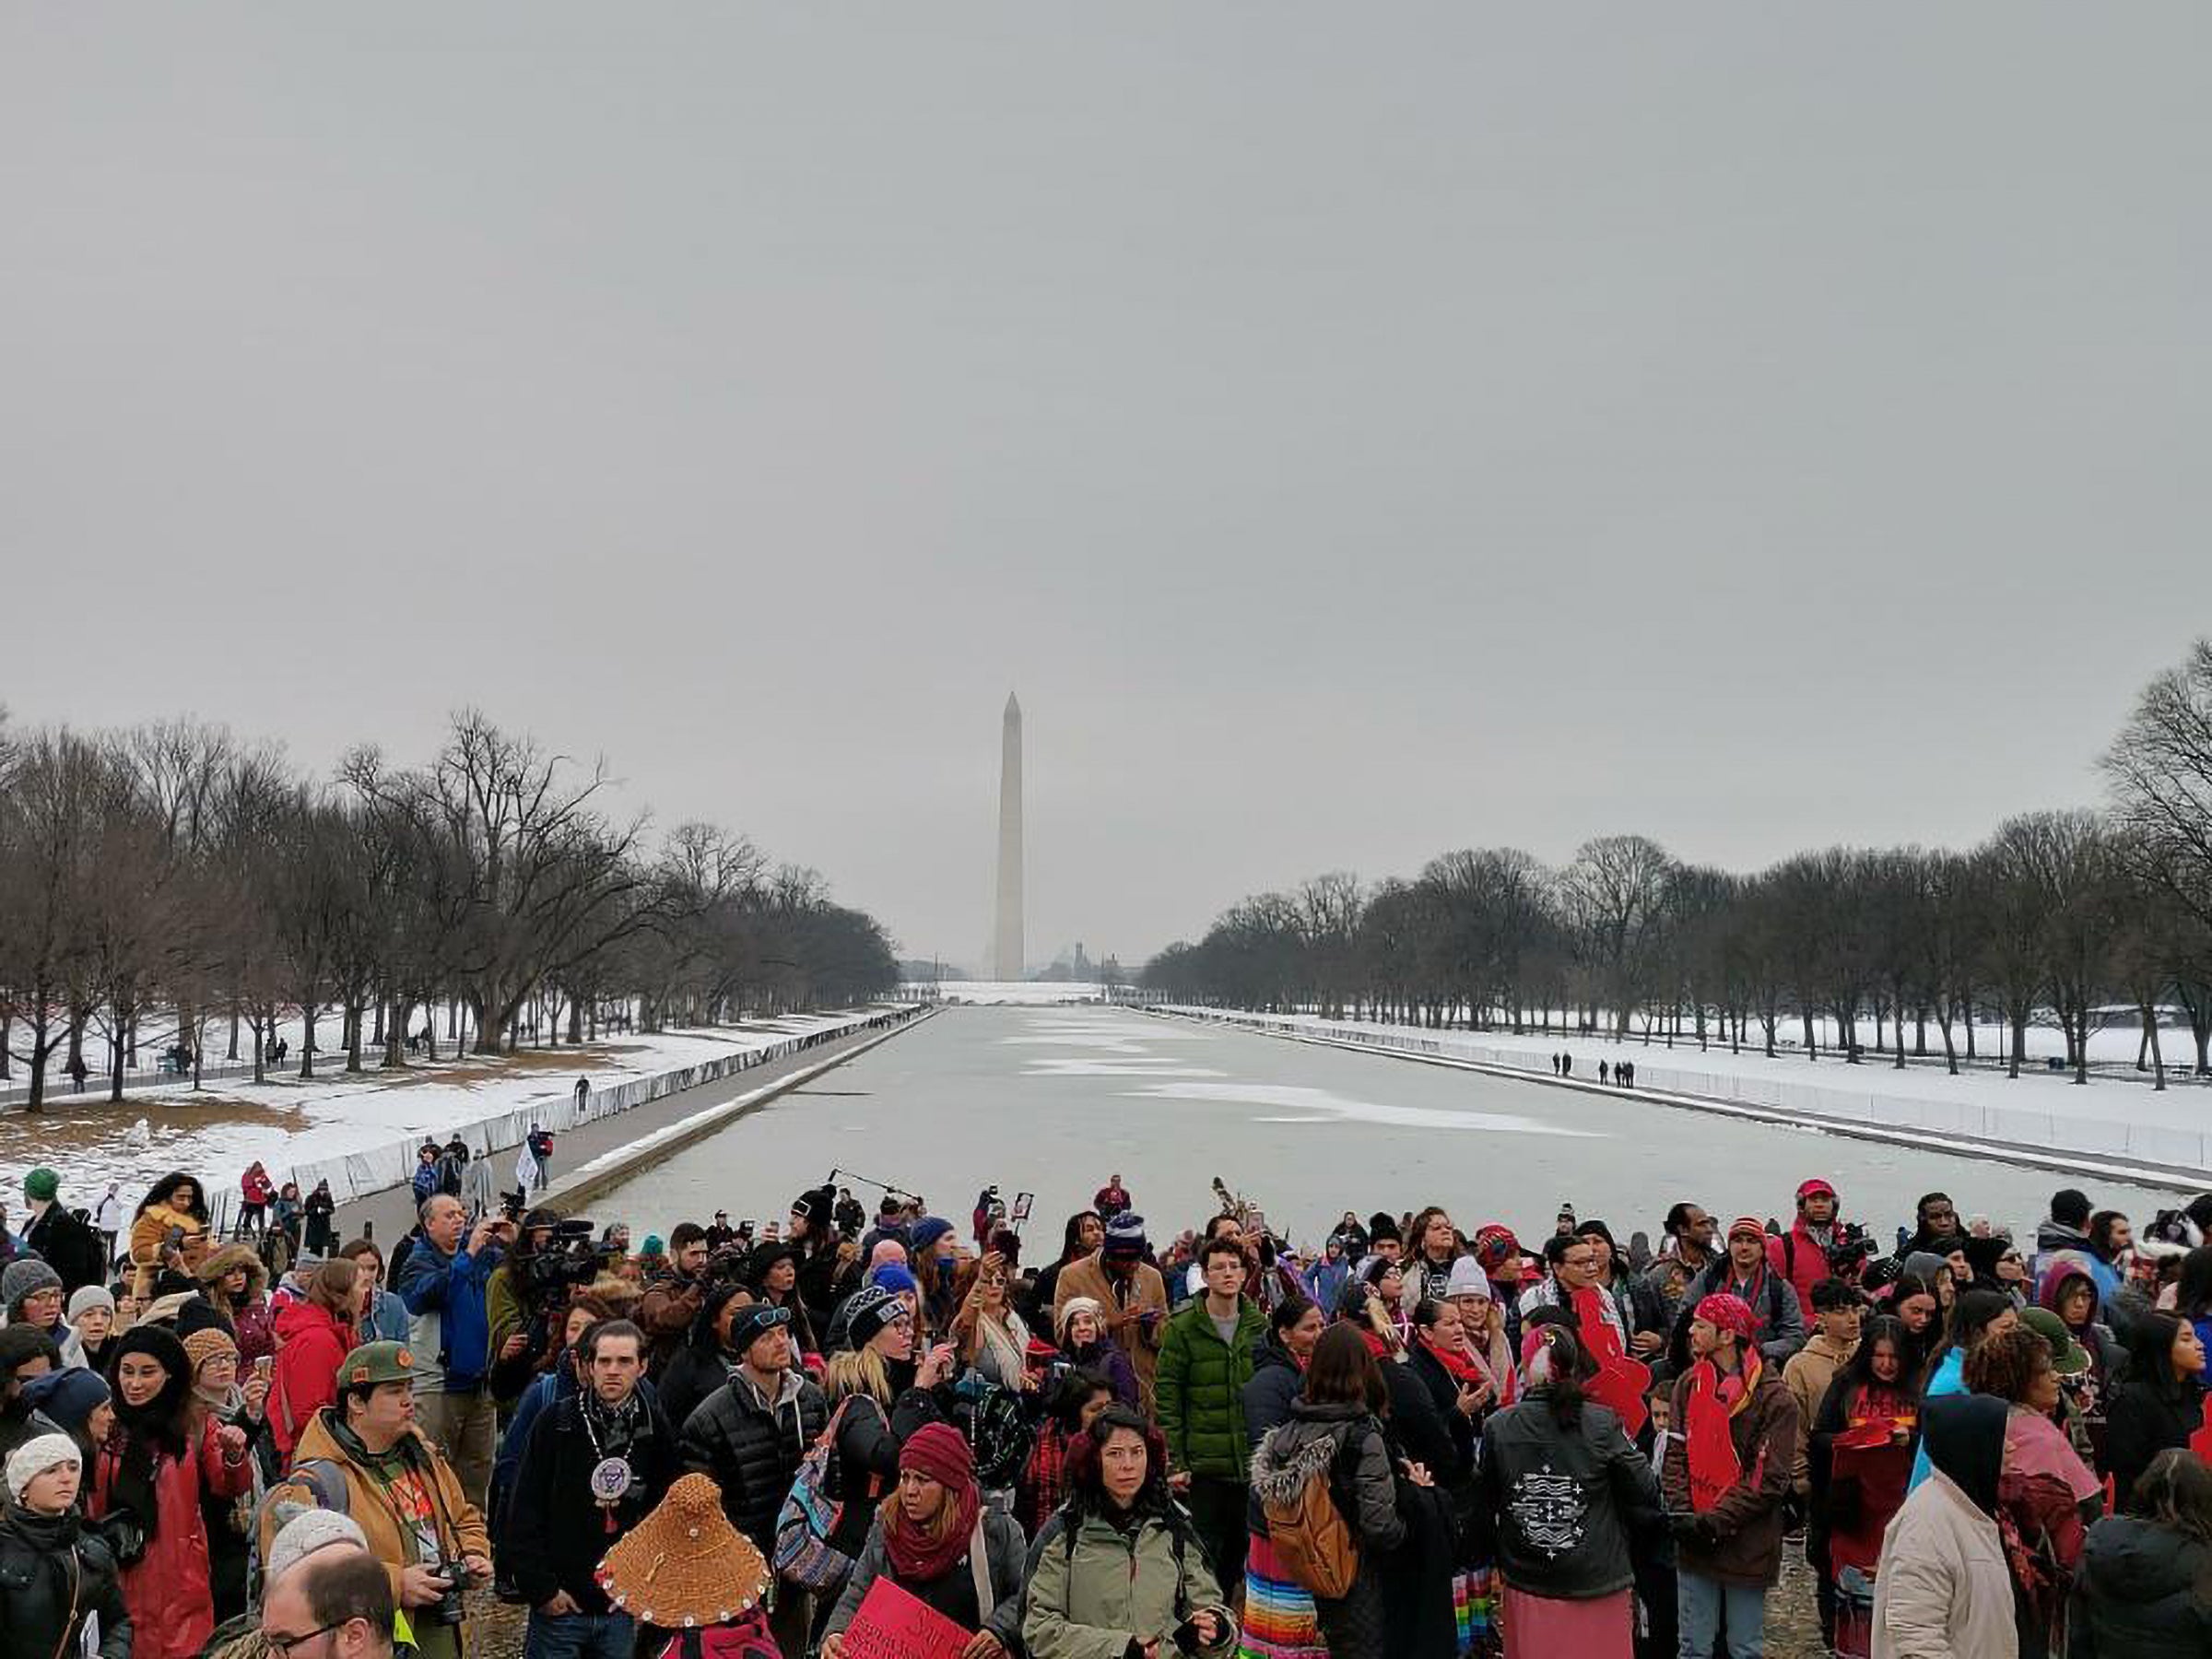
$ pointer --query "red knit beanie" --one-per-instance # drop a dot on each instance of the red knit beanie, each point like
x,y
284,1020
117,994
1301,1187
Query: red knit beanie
x,y
940,1452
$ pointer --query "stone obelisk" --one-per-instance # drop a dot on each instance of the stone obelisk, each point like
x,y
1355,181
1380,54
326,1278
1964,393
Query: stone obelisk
x,y
1005,936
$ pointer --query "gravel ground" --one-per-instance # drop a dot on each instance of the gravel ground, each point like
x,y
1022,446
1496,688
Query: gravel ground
x,y
1793,1630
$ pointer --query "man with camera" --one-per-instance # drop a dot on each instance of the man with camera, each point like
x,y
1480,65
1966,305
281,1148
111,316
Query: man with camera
x,y
367,1458
597,1465
1819,1245
672,1300
450,1332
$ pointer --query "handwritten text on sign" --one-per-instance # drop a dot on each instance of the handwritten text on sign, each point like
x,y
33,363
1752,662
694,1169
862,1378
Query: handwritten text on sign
x,y
890,1624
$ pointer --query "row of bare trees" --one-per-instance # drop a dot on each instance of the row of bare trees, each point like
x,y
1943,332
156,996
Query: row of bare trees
x,y
173,873
2063,919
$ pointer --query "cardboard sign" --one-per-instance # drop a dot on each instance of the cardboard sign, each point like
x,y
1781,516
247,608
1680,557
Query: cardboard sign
x,y
890,1624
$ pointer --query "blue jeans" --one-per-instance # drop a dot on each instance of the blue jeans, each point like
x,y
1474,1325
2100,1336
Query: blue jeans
x,y
1700,1600
579,1636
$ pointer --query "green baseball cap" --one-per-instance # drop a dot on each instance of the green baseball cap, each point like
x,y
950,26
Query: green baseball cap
x,y
2067,1357
375,1362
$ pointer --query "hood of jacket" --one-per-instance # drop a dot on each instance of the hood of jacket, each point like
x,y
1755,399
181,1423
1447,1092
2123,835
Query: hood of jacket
x,y
2056,1235
235,1255
1268,1354
327,1437
2128,1560
2068,1266
1290,1457
298,1318
1965,1438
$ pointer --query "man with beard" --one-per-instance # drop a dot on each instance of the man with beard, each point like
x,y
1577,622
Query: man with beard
x,y
596,1466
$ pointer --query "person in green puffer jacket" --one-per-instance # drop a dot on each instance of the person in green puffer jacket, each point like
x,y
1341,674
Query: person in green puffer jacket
x,y
1205,1358
1116,1573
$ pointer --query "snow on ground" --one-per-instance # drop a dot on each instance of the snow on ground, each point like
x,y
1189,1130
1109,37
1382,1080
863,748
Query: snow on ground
x,y
287,1122
995,992
2109,1117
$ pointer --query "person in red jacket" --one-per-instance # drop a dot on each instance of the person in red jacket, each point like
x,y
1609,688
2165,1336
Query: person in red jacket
x,y
150,1480
314,1337
255,1189
1801,1255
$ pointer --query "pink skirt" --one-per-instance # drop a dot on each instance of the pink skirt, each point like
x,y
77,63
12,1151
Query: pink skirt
x,y
1538,1628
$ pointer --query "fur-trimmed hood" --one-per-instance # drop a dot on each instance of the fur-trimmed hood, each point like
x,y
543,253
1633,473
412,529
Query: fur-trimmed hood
x,y
236,1255
1290,1456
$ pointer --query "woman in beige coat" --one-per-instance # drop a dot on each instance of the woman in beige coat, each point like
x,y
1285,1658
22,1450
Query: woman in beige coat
x,y
1942,1590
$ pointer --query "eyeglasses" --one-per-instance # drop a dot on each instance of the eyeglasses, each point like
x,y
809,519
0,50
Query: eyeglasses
x,y
282,1646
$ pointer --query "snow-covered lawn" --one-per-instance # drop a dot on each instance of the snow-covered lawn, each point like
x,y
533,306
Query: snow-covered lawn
x,y
2109,1117
352,1128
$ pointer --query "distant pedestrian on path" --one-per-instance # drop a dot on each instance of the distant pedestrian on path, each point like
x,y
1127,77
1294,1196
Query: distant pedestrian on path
x,y
541,1149
1601,1071
106,1221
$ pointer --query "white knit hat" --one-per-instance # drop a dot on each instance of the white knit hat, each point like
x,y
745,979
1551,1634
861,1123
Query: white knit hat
x,y
89,1296
35,1458
307,1532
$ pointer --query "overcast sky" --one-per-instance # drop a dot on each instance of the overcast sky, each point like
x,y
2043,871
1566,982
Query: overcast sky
x,y
1355,433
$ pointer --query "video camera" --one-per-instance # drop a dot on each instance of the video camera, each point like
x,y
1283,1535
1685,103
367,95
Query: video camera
x,y
571,1256
1847,1257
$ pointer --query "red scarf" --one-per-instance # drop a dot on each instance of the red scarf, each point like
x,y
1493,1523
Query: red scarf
x,y
1714,1467
916,1557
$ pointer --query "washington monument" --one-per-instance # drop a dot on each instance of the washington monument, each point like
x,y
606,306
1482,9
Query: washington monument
x,y
1005,936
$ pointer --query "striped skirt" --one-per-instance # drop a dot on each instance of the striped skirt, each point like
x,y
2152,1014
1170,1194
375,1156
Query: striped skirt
x,y
1279,1611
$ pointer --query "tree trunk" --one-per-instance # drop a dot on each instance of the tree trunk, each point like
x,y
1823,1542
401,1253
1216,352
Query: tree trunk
x,y
232,1055
307,1037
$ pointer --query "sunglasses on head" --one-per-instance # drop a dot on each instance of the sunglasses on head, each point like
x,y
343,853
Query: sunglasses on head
x,y
770,1318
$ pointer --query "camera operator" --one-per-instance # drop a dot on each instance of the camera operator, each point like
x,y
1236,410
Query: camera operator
x,y
529,1295
1819,1244
828,1268
674,1297
366,1457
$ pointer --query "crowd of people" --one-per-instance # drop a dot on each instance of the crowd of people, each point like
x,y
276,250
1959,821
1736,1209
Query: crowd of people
x,y
1419,1439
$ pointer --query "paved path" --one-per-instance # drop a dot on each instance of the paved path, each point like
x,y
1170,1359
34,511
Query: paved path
x,y
389,1213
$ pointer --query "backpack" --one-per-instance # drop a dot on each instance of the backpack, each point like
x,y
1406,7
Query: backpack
x,y
809,1520
320,1477
1307,1530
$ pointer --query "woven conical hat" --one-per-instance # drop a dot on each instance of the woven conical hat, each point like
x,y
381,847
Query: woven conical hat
x,y
685,1565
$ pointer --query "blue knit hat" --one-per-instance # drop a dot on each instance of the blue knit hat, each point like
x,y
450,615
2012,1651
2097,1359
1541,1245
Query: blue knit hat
x,y
67,1397
893,1277
927,1232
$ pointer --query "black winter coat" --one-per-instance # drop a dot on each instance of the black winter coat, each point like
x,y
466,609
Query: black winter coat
x,y
2144,1422
1565,1502
2135,1593
696,1371
46,1564
1269,1398
868,1438
69,1247
752,1449
556,1531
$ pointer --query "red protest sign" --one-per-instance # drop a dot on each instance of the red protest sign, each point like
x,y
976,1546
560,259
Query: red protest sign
x,y
1621,1380
890,1624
